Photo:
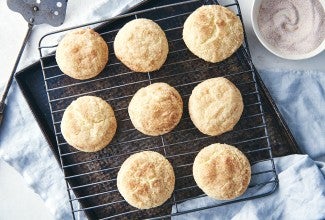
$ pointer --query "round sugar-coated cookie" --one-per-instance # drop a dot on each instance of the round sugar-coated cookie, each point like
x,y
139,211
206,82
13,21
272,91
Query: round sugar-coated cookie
x,y
141,45
213,33
146,180
82,54
222,171
215,106
88,124
156,109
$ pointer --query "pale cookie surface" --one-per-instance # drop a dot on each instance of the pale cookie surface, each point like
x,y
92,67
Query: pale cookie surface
x,y
222,171
215,106
146,180
213,33
156,109
141,45
88,124
82,54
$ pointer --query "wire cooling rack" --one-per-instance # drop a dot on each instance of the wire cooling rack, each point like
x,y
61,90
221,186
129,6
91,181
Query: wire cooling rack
x,y
91,177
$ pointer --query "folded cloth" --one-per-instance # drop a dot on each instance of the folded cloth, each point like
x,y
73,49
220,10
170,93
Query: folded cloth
x,y
301,195
300,97
24,147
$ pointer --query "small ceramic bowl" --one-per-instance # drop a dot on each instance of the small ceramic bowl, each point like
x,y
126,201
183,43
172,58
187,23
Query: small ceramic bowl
x,y
272,49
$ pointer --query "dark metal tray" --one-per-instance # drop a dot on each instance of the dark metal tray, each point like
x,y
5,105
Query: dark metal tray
x,y
91,176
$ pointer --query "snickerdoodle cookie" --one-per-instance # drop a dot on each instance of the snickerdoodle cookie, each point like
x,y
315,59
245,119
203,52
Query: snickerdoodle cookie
x,y
146,180
222,171
82,54
141,45
213,33
215,106
88,124
156,109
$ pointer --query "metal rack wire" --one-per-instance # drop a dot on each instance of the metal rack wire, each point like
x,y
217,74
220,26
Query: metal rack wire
x,y
92,176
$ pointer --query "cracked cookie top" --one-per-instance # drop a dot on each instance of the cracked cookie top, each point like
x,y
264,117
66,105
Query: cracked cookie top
x,y
88,124
213,33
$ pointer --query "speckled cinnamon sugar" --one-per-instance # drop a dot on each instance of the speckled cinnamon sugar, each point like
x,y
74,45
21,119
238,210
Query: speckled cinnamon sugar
x,y
292,26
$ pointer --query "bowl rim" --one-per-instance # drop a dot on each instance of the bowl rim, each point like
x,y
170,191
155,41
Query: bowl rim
x,y
271,48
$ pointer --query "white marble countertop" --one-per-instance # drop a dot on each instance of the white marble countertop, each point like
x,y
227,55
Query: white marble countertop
x,y
17,200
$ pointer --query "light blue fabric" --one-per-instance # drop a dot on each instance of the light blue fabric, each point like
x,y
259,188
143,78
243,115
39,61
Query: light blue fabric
x,y
24,147
300,97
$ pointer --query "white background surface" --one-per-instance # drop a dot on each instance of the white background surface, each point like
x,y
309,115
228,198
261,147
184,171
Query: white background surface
x,y
17,201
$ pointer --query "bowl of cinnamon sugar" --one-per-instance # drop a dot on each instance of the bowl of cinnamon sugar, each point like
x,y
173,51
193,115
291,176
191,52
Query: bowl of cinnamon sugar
x,y
291,29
